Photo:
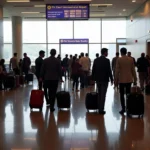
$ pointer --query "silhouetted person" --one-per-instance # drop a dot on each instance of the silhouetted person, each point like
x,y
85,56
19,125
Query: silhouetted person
x,y
97,55
14,64
51,74
38,65
2,73
66,66
124,75
26,65
129,55
142,65
101,73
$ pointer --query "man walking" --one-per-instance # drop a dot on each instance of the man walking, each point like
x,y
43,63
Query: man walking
x,y
101,73
142,65
38,65
14,64
51,74
125,74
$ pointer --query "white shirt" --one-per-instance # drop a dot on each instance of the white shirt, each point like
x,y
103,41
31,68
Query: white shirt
x,y
85,63
14,62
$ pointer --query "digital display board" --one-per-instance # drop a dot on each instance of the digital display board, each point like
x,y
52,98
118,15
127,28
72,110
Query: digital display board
x,y
67,11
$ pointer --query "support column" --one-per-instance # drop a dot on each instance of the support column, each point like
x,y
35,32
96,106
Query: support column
x,y
1,33
17,35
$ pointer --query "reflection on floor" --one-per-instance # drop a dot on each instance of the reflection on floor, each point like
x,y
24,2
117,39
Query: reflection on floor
x,y
21,129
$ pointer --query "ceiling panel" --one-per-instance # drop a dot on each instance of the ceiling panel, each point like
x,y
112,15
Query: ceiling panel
x,y
116,10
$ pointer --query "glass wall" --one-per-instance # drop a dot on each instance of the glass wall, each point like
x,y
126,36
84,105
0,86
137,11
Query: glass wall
x,y
39,34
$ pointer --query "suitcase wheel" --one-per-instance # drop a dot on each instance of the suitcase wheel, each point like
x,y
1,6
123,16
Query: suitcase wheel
x,y
40,109
87,110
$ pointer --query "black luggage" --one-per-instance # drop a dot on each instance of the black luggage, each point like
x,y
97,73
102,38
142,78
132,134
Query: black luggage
x,y
135,104
30,77
63,99
91,101
9,82
147,89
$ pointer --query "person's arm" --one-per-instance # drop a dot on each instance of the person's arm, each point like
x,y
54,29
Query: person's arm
x,y
10,64
60,70
110,72
117,69
29,62
133,72
112,64
93,70
42,71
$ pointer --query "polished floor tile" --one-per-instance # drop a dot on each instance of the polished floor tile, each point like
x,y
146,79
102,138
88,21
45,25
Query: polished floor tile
x,y
74,129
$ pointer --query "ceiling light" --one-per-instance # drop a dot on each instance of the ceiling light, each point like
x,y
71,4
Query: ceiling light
x,y
101,5
79,0
124,9
30,12
133,1
18,1
97,15
39,5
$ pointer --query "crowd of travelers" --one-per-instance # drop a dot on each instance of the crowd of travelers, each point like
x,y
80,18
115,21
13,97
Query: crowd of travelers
x,y
121,72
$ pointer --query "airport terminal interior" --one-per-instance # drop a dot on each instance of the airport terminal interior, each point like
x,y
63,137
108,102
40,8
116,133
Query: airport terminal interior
x,y
27,26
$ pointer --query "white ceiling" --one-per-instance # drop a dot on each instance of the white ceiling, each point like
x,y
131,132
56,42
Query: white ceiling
x,y
15,9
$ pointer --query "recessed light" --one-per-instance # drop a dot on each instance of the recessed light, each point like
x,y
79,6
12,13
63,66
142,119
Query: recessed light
x,y
124,9
39,5
30,12
101,5
97,15
18,1
133,1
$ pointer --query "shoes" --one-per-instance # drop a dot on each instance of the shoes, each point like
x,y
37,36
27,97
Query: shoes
x,y
52,109
122,112
47,105
102,112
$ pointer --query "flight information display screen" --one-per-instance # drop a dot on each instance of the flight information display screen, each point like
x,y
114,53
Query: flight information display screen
x,y
67,11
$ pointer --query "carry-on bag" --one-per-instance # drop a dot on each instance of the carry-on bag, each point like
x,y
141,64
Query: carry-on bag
x,y
91,101
63,99
30,77
21,79
135,104
9,82
36,99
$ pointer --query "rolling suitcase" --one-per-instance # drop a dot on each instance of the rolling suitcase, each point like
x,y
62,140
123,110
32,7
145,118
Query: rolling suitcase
x,y
9,82
135,104
21,79
63,99
36,99
30,77
91,101
147,89
17,81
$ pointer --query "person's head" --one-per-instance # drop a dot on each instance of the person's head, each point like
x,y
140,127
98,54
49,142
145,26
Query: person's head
x,y
25,54
41,53
2,61
142,55
123,51
117,54
97,55
86,55
70,56
129,54
79,56
20,60
74,58
66,55
15,54
82,54
76,55
53,52
104,52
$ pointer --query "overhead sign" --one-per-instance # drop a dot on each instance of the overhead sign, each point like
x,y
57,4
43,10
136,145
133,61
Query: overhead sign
x,y
67,11
74,41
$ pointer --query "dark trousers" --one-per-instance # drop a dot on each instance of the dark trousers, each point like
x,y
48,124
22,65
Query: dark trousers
x,y
16,71
40,83
50,89
102,90
84,79
66,72
26,71
75,80
125,88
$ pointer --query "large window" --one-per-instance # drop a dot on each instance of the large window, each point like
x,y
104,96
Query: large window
x,y
112,29
88,29
32,50
59,30
7,52
7,24
34,31
53,46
